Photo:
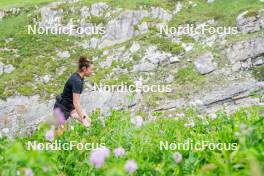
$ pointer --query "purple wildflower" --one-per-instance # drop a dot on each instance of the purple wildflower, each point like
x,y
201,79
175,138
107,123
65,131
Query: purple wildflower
x,y
50,135
137,121
243,127
131,166
177,157
119,152
98,156
29,172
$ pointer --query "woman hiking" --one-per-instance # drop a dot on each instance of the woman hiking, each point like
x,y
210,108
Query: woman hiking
x,y
68,102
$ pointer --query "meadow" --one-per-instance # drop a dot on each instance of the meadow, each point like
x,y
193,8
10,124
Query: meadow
x,y
141,143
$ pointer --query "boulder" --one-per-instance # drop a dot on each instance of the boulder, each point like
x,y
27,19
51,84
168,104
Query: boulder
x,y
204,64
174,59
144,67
259,61
122,28
249,22
252,48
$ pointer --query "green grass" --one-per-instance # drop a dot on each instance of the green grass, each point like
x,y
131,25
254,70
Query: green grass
x,y
4,4
224,11
189,75
132,4
163,44
143,145
258,72
29,65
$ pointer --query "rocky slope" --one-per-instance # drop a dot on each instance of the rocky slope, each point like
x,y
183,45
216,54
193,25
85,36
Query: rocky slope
x,y
209,72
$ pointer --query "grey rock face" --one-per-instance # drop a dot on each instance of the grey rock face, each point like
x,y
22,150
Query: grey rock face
x,y
105,101
143,28
247,23
134,48
144,67
50,17
204,64
92,43
171,104
9,68
169,79
98,9
122,28
178,8
236,67
160,13
155,56
174,59
229,98
229,93
108,62
84,12
2,14
22,114
63,54
247,49
259,61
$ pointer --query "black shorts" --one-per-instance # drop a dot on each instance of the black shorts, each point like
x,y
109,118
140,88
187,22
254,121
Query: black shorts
x,y
66,112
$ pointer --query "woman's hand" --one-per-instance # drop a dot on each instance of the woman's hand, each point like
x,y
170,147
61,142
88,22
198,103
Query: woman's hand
x,y
86,121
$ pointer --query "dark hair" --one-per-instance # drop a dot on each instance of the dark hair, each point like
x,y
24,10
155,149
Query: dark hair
x,y
84,62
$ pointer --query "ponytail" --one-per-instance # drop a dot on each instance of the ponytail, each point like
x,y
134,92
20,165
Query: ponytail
x,y
84,62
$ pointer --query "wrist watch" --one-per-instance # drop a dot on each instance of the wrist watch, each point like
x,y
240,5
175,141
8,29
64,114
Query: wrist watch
x,y
84,116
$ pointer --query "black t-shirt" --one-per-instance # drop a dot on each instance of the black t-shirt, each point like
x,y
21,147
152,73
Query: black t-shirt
x,y
73,85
